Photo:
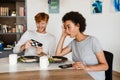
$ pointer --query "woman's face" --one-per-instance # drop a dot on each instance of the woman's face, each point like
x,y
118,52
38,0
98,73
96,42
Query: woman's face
x,y
41,26
70,28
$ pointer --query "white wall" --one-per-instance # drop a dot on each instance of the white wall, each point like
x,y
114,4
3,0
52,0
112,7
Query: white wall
x,y
104,26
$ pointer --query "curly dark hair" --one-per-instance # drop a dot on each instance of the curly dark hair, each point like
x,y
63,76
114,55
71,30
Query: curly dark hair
x,y
76,18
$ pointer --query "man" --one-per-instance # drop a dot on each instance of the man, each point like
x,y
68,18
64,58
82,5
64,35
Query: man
x,y
40,35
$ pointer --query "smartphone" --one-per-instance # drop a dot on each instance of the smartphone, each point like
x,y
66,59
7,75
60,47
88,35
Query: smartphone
x,y
65,66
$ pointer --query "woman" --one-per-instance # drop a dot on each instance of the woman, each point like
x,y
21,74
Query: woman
x,y
40,35
87,52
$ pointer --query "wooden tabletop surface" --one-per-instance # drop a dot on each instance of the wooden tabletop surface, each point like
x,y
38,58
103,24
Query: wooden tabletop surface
x,y
62,74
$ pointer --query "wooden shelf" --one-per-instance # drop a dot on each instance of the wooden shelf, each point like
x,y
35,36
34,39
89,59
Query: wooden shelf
x,y
12,20
12,16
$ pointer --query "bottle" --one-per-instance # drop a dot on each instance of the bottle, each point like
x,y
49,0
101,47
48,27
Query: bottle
x,y
1,45
0,28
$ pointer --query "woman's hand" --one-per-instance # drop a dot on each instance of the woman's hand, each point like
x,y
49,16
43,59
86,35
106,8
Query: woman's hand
x,y
79,65
63,31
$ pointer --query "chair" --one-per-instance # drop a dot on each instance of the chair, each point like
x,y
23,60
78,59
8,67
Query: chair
x,y
109,59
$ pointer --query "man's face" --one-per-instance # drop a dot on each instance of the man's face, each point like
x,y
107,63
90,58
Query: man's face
x,y
41,26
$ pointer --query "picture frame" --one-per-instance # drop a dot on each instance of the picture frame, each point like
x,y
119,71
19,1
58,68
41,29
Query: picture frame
x,y
53,6
96,6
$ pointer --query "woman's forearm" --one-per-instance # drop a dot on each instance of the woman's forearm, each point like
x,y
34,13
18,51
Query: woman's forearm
x,y
99,67
60,45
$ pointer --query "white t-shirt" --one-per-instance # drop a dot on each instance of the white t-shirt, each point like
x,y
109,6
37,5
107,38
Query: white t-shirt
x,y
85,51
48,41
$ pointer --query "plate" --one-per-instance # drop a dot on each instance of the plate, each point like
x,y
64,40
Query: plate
x,y
57,59
28,59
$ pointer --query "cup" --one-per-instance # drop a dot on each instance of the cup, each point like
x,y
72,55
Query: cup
x,y
12,59
43,62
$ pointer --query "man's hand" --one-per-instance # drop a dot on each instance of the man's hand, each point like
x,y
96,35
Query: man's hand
x,y
26,45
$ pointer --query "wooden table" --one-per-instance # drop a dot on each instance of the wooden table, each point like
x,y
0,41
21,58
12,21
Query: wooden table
x,y
32,71
61,74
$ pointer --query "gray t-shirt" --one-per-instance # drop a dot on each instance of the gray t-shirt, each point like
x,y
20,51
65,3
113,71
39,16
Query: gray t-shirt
x,y
85,51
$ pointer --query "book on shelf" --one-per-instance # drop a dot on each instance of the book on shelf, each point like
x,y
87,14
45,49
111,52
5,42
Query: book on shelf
x,y
21,11
4,11
9,29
